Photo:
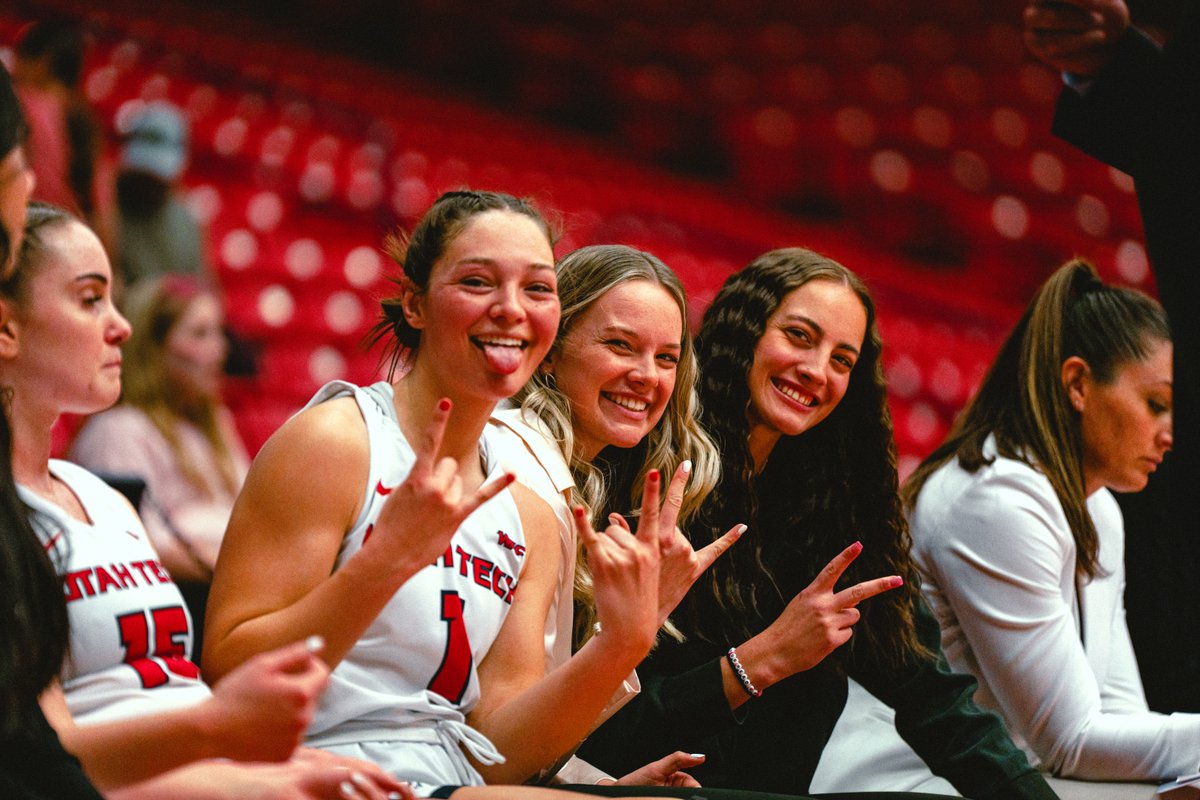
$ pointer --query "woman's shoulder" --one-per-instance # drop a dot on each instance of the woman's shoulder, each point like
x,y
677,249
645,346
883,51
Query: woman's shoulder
x,y
955,499
333,428
525,445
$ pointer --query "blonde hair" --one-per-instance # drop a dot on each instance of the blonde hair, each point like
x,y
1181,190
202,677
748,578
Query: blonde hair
x,y
154,307
584,276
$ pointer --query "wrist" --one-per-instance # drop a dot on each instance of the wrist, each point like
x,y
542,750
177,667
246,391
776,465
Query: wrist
x,y
758,660
207,719
614,648
740,673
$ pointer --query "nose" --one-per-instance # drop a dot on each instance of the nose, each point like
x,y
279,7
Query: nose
x,y
1166,437
643,372
507,306
814,371
118,328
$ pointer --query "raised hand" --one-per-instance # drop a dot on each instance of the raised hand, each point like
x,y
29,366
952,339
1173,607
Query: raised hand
x,y
680,564
816,622
421,515
819,620
260,710
1075,36
625,572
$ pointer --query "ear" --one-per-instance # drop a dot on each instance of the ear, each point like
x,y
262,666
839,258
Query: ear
x,y
412,304
547,365
8,328
1077,381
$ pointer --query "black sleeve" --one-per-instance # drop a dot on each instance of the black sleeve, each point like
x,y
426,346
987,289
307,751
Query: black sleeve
x,y
959,741
1141,106
34,765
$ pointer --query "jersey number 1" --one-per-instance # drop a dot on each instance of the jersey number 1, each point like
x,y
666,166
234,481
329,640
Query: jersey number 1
x,y
453,674
170,626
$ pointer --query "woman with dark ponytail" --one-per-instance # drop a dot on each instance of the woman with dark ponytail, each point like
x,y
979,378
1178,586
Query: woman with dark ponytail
x,y
792,390
1021,542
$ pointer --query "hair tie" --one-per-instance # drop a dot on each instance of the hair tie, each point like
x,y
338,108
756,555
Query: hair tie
x,y
393,310
1085,281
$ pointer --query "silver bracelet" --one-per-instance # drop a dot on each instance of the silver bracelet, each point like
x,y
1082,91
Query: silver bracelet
x,y
740,671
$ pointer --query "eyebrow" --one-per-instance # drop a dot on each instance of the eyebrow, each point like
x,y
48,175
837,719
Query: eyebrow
x,y
484,261
91,276
812,323
631,332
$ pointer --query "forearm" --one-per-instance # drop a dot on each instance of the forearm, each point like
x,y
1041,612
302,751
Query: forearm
x,y
1144,746
208,780
339,609
121,753
562,707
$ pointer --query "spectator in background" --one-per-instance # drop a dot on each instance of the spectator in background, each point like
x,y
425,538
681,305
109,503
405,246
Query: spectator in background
x,y
172,431
156,232
1133,105
64,137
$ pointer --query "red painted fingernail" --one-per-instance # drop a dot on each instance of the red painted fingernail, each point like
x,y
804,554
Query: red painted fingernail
x,y
578,511
897,581
652,475
509,477
858,546
444,404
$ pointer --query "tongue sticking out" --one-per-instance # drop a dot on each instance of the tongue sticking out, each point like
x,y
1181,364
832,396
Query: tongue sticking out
x,y
502,358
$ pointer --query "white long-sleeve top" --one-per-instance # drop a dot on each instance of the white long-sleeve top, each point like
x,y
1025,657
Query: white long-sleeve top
x,y
1052,657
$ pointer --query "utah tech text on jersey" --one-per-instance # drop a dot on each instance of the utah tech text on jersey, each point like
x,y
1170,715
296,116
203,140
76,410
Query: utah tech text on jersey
x,y
484,572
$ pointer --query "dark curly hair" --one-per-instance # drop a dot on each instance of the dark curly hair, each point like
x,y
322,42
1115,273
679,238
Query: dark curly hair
x,y
417,252
818,493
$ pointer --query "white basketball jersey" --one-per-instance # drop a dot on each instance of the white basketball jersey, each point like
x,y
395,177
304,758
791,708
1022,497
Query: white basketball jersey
x,y
407,683
131,634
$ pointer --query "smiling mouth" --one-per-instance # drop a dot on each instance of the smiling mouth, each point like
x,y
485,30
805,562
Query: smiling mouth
x,y
627,403
499,341
792,393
